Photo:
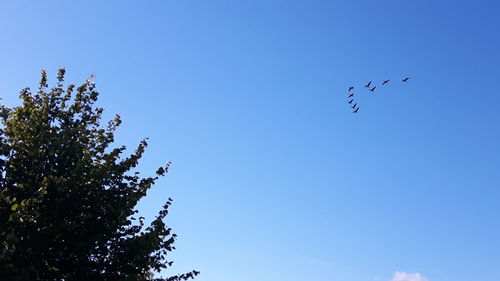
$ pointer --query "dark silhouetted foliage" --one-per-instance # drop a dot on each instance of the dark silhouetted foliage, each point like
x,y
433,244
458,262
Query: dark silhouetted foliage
x,y
67,198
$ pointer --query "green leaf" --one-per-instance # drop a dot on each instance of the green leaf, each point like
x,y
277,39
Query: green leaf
x,y
76,191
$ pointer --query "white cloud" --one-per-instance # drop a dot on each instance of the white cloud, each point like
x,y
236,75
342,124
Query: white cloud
x,y
404,276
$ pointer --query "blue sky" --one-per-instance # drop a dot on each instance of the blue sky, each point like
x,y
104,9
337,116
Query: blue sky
x,y
273,177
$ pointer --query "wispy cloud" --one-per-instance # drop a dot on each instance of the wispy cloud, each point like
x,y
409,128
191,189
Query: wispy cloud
x,y
404,276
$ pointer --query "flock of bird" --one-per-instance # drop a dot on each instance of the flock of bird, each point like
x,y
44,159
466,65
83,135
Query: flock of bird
x,y
371,88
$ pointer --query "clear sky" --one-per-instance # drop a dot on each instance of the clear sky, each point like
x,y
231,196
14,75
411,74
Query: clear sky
x,y
273,177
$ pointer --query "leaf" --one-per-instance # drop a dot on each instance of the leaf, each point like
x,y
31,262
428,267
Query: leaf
x,y
76,191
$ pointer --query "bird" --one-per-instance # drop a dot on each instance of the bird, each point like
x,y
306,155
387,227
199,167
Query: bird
x,y
406,79
356,110
351,95
350,102
373,89
368,85
350,88
385,82
354,106
196,272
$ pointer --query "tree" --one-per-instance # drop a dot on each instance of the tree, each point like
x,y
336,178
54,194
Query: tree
x,y
67,198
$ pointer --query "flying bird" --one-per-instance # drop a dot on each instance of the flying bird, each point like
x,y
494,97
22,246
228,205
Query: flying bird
x,y
373,89
354,106
350,88
351,95
406,79
356,110
368,85
350,102
385,82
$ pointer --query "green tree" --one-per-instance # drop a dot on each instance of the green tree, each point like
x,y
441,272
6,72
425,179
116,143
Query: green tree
x,y
67,198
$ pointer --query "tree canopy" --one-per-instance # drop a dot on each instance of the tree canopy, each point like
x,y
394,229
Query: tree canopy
x,y
68,197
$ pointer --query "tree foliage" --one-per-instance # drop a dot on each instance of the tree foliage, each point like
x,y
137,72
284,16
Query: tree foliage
x,y
67,197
